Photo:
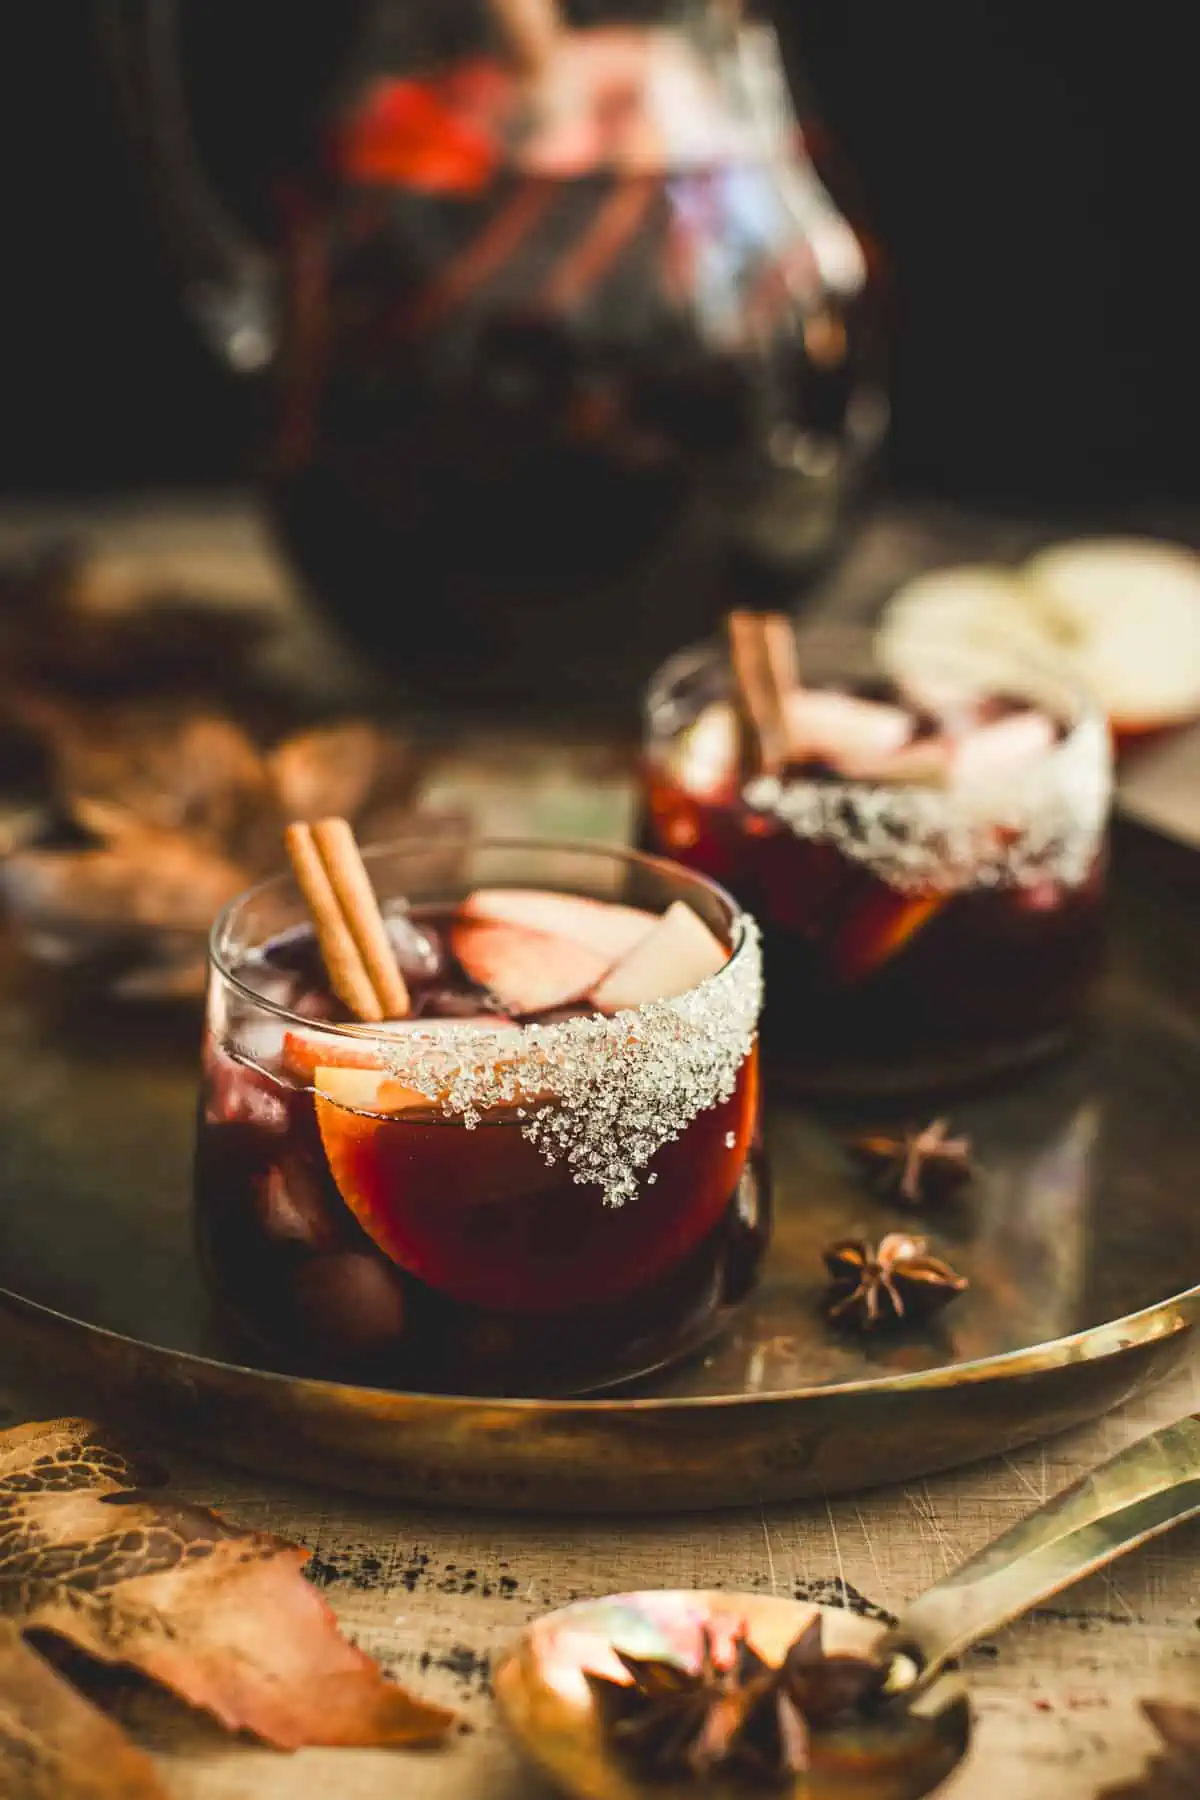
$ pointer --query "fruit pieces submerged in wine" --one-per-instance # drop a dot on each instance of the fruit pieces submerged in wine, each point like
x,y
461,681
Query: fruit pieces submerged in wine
x,y
358,1225
893,960
619,367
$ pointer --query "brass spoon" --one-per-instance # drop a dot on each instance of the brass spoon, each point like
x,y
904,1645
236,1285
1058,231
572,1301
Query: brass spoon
x,y
912,1743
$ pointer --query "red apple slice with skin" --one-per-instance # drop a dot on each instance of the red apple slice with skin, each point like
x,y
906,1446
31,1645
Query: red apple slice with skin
x,y
994,750
527,971
678,954
600,925
844,729
538,950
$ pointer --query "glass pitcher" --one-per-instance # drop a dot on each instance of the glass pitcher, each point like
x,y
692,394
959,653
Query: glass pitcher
x,y
563,346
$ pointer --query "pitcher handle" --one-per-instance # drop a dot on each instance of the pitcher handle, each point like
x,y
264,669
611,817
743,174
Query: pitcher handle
x,y
228,281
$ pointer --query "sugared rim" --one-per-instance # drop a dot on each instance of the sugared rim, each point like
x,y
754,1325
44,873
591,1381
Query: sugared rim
x,y
741,927
598,1093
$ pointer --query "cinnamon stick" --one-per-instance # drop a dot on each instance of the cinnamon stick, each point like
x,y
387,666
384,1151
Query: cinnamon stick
x,y
348,877
530,29
358,956
762,652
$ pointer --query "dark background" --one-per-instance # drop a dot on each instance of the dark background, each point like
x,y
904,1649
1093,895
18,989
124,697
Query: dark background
x,y
1030,169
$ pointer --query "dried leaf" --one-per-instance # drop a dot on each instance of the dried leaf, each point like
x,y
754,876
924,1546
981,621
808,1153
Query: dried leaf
x,y
1174,1772
337,769
199,774
220,1615
54,1745
83,619
185,812
157,880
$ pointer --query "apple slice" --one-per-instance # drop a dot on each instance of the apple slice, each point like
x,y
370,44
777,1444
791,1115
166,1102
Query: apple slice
x,y
843,729
1122,613
527,971
704,758
364,1091
305,1052
996,749
925,762
1127,613
600,925
977,607
376,1087
676,955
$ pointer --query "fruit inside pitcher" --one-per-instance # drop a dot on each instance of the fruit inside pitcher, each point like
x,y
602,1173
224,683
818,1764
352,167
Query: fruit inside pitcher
x,y
365,1227
610,356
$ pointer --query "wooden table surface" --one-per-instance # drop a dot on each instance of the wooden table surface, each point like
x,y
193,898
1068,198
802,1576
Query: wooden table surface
x,y
436,1596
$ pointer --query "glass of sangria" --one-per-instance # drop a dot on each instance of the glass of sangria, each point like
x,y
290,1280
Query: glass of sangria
x,y
923,845
544,1179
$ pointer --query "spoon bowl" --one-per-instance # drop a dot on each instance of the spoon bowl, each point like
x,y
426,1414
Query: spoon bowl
x,y
909,1743
898,1752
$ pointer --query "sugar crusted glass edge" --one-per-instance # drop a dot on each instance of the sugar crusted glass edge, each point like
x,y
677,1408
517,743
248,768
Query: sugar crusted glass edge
x,y
600,1094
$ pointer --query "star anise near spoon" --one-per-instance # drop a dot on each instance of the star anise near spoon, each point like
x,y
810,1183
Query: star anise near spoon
x,y
739,1715
897,1282
1174,1772
916,1166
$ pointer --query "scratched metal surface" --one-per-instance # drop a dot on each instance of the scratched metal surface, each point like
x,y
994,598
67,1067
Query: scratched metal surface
x,y
436,1595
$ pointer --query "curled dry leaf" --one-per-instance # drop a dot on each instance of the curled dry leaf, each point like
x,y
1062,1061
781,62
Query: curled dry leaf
x,y
1173,1773
171,814
54,1744
332,772
221,1616
83,619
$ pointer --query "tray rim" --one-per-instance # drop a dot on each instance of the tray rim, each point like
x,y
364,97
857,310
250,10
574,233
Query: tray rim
x,y
1162,1319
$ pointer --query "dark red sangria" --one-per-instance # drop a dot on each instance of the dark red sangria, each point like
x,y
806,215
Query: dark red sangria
x,y
919,831
593,343
543,1178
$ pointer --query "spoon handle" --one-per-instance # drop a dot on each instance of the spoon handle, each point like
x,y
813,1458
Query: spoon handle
x,y
1145,1489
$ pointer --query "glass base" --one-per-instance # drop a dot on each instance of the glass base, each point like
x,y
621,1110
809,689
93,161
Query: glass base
x,y
457,1349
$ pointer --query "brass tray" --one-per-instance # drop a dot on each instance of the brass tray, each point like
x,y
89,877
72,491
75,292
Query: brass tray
x,y
1081,1237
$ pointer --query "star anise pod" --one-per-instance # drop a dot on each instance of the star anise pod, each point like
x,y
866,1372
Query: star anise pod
x,y
897,1282
916,1165
742,1716
1174,1772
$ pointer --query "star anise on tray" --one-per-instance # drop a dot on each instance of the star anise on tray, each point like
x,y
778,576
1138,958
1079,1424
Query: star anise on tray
x,y
1173,1773
160,814
916,1166
739,1716
893,1284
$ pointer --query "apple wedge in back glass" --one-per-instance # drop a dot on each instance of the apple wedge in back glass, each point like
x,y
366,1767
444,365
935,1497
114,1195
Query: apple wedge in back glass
x,y
545,1179
926,861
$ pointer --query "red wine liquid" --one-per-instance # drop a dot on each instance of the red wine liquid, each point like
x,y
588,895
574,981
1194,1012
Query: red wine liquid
x,y
409,1250
873,989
